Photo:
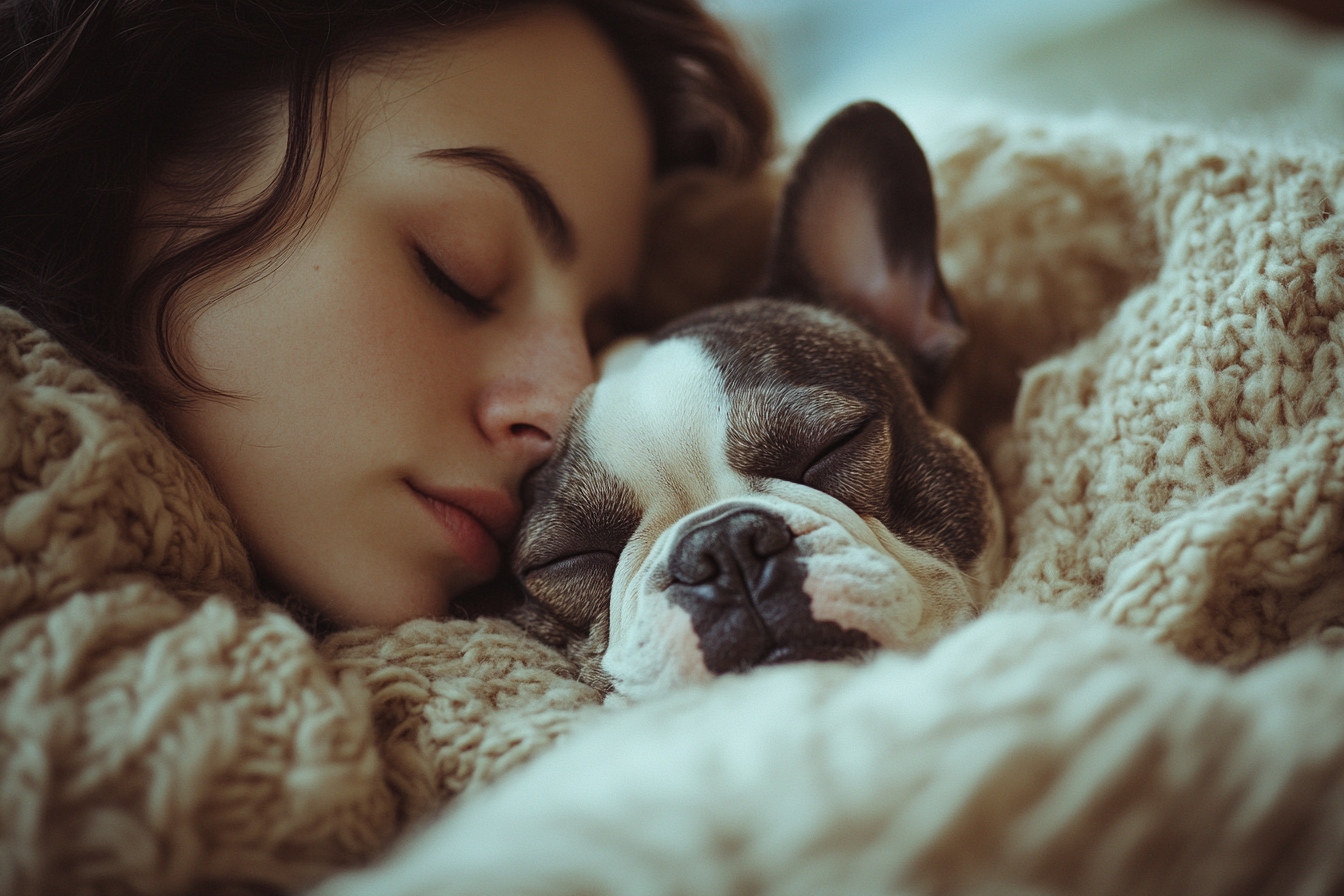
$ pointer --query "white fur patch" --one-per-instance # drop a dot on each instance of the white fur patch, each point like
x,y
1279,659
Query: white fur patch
x,y
659,419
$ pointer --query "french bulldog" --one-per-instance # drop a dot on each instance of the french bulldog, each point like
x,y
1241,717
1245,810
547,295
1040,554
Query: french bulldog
x,y
762,482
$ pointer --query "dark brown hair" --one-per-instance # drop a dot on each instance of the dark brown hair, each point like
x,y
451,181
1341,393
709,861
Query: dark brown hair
x,y
100,95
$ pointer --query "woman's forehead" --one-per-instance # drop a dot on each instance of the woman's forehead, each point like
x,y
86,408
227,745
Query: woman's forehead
x,y
519,74
538,99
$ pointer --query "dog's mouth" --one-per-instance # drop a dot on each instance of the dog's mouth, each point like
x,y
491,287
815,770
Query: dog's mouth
x,y
820,651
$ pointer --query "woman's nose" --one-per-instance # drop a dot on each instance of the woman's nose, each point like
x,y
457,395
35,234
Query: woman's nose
x,y
525,405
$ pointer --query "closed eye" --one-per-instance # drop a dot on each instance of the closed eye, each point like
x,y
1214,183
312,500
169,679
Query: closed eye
x,y
473,304
571,560
836,443
828,462
576,588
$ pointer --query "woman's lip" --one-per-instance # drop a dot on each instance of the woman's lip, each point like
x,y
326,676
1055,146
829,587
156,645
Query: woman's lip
x,y
478,522
496,511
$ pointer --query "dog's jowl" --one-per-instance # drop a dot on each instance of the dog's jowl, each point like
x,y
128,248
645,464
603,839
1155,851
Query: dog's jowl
x,y
761,482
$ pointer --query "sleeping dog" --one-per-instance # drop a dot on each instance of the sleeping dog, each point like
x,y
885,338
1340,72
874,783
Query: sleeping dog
x,y
762,482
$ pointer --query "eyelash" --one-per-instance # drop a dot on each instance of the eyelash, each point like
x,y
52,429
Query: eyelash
x,y
469,302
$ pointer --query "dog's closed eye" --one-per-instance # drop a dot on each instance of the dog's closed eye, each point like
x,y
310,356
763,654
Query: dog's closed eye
x,y
855,467
835,443
573,585
781,434
832,458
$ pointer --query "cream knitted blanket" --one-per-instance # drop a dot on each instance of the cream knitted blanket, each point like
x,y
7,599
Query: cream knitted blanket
x,y
1179,467
1174,465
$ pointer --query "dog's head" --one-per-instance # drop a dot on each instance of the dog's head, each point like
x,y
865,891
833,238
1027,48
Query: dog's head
x,y
762,482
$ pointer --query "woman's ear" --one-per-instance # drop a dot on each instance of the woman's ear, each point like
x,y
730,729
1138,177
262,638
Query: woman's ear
x,y
857,230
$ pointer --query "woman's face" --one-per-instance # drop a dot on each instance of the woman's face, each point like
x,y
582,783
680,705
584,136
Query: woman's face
x,y
416,352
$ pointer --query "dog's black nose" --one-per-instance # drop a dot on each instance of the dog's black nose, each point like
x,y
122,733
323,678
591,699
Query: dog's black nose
x,y
737,542
721,569
740,576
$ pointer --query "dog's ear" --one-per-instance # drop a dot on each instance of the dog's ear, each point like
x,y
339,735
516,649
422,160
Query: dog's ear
x,y
857,230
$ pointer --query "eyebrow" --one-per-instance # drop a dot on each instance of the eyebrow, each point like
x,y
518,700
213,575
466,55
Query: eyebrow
x,y
551,224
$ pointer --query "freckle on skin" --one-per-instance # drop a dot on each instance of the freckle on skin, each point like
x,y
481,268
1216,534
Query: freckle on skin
x,y
317,267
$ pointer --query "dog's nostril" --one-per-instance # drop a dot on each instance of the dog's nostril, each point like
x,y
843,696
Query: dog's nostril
x,y
771,537
693,567
738,539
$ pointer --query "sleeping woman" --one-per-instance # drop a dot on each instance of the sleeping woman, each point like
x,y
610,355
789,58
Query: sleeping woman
x,y
347,254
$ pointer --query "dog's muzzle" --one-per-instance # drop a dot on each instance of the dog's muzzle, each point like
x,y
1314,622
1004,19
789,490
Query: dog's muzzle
x,y
739,575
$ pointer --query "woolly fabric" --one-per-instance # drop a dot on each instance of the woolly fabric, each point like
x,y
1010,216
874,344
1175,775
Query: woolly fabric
x,y
1171,307
1028,753
1180,468
162,730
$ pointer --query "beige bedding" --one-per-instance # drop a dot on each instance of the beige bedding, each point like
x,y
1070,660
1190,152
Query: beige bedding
x,y
1180,469
1172,477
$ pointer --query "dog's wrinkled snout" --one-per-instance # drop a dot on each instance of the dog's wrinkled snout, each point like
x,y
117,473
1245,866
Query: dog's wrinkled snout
x,y
725,571
738,573
736,544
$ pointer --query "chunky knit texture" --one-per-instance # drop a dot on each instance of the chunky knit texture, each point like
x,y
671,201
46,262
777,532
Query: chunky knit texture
x,y
1172,308
1180,467
1026,753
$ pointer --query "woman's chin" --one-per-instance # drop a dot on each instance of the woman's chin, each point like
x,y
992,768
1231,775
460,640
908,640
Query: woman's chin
x,y
383,601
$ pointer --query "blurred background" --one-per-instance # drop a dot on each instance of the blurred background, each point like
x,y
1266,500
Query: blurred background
x,y
1238,63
